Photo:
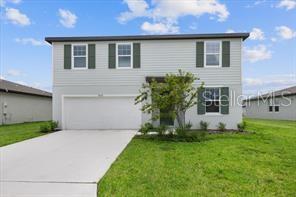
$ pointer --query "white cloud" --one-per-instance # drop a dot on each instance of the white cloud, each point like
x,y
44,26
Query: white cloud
x,y
159,28
257,53
67,18
2,77
168,12
273,39
16,17
285,32
30,41
15,73
14,1
230,31
137,8
256,34
288,4
3,2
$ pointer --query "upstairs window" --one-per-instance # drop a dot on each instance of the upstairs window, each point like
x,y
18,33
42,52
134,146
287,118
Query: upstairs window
x,y
79,56
212,53
124,55
212,99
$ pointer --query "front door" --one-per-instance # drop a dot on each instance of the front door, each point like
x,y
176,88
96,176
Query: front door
x,y
165,118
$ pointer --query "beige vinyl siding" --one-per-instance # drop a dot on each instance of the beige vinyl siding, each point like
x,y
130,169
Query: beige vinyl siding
x,y
24,108
157,58
260,109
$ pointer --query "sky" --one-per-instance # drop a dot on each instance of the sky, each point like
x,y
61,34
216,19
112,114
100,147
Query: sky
x,y
269,54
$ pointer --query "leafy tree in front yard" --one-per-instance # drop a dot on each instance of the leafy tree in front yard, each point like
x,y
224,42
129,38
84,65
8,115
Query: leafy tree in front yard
x,y
175,95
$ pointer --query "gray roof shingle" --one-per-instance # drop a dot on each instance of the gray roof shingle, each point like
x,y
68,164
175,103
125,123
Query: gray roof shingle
x,y
8,86
284,92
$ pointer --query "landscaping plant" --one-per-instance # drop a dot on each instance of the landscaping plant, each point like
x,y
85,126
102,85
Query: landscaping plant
x,y
176,93
241,126
53,125
146,128
45,128
222,126
161,129
204,125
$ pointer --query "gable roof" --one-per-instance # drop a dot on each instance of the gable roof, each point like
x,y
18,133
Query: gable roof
x,y
8,86
284,92
148,37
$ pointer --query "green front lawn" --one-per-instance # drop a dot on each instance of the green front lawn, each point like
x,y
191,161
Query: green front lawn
x,y
260,164
18,132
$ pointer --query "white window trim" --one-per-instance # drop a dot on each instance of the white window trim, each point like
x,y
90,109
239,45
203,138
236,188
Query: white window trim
x,y
117,56
214,113
205,54
86,57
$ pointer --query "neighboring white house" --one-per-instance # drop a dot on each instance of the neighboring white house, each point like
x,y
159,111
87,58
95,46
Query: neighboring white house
x,y
19,103
279,105
96,79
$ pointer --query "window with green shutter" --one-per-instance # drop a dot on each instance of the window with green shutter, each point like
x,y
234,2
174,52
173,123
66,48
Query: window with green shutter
x,y
224,100
112,55
199,54
213,100
91,56
67,56
136,55
226,54
201,108
79,53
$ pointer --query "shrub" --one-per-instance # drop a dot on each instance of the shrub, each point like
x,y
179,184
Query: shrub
x,y
241,126
53,125
146,128
45,128
161,129
188,125
180,131
221,126
204,125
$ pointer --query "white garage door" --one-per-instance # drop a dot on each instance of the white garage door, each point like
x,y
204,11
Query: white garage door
x,y
101,113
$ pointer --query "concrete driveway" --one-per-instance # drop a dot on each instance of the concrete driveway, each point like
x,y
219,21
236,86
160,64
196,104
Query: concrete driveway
x,y
66,163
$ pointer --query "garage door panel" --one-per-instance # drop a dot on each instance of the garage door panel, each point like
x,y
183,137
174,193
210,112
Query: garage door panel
x,y
101,113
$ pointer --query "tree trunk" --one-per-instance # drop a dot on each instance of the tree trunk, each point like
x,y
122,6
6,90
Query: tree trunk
x,y
181,118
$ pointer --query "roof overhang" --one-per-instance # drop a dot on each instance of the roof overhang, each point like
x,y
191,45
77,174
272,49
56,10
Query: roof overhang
x,y
243,36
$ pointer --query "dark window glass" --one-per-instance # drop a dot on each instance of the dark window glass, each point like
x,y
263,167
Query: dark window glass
x,y
276,108
270,108
212,107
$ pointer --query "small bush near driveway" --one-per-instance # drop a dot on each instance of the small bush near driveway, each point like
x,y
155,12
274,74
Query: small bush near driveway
x,y
18,132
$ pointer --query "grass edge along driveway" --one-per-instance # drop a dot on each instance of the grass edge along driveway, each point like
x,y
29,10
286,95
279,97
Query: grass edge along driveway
x,y
260,164
13,133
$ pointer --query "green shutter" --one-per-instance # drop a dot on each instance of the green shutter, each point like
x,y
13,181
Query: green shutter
x,y
201,107
67,56
136,55
91,56
112,55
226,54
200,54
224,100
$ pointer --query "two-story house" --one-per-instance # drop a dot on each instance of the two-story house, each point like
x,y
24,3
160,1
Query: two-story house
x,y
96,79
